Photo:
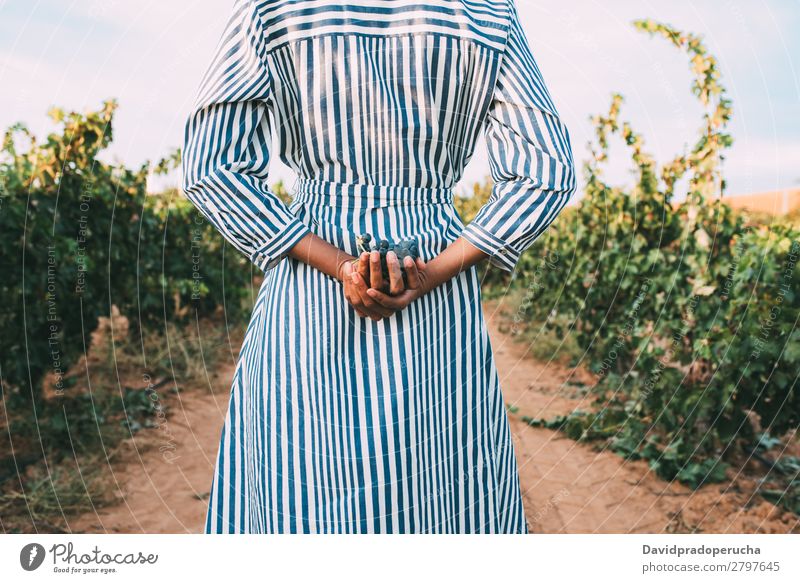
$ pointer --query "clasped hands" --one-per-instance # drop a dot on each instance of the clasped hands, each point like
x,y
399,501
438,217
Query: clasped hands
x,y
371,295
364,285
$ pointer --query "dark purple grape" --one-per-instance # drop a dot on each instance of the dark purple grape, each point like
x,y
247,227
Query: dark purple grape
x,y
404,248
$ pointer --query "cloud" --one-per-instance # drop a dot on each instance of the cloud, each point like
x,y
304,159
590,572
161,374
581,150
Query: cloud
x,y
763,164
154,17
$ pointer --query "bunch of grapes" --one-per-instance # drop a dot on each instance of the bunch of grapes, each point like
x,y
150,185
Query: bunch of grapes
x,y
403,249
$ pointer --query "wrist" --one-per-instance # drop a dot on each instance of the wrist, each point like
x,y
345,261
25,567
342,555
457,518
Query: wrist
x,y
340,265
459,256
435,274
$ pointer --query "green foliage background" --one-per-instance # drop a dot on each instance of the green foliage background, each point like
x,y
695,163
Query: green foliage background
x,y
687,313
80,235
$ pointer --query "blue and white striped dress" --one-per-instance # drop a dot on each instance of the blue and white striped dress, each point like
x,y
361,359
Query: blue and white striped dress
x,y
338,424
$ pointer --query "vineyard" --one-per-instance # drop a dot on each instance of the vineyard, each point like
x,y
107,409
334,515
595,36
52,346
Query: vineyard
x,y
81,241
684,310
686,313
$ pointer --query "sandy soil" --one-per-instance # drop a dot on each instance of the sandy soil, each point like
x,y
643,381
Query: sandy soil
x,y
164,478
569,487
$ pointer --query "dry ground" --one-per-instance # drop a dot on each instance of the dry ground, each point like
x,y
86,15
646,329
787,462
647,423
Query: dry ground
x,y
568,487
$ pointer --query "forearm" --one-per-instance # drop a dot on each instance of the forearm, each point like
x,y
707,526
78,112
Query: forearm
x,y
321,255
457,257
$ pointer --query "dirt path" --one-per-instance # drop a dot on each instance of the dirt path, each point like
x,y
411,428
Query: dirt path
x,y
165,475
567,487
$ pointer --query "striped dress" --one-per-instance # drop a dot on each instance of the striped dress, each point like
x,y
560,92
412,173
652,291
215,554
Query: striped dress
x,y
339,424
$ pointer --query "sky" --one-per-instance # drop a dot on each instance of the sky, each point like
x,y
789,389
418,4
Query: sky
x,y
151,54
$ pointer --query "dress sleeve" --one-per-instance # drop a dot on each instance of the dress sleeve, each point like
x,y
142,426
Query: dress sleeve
x,y
226,146
530,158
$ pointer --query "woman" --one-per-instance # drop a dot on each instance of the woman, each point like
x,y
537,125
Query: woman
x,y
360,405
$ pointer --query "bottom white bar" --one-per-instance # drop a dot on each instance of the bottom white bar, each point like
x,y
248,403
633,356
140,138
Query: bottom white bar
x,y
399,558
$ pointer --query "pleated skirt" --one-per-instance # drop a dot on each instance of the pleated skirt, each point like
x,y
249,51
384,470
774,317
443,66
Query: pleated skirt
x,y
338,424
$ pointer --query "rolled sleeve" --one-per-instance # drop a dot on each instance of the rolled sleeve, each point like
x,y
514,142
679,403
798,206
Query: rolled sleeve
x,y
226,146
500,253
530,158
269,255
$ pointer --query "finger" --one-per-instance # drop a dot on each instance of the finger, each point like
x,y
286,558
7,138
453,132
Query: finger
x,y
360,288
375,275
393,302
352,298
396,284
371,315
376,311
365,302
346,283
420,263
383,311
355,303
355,293
363,266
412,273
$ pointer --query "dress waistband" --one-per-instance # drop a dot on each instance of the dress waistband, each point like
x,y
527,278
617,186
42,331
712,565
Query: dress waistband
x,y
342,194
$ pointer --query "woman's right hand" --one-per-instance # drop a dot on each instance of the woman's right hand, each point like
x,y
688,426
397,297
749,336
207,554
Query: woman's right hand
x,y
423,277
356,274
364,273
